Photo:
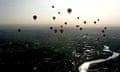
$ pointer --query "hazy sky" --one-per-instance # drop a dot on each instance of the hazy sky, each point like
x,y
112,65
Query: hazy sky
x,y
21,11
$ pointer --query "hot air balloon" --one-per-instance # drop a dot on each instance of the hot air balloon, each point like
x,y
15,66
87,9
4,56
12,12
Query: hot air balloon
x,y
65,22
102,31
81,28
98,19
77,17
54,17
51,27
53,6
104,35
19,30
95,22
55,30
58,12
35,17
77,26
69,10
85,22
61,30
105,28
61,26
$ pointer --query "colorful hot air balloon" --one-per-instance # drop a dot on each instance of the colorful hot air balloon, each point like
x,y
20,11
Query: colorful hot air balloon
x,y
35,17
61,30
69,10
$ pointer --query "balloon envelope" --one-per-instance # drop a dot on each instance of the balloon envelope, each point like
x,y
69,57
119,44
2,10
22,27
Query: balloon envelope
x,y
98,19
85,22
95,22
54,17
19,30
102,31
81,28
105,28
61,26
58,12
53,6
35,17
104,35
77,25
51,27
61,30
77,17
55,30
69,10
65,22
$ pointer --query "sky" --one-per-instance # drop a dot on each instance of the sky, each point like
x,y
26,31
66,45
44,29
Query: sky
x,y
21,12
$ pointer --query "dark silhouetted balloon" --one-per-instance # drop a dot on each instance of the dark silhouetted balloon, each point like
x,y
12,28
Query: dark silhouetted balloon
x,y
105,28
65,22
98,19
35,17
61,26
81,28
54,17
55,30
61,30
51,27
69,10
104,35
77,26
85,22
53,6
19,30
58,12
102,31
95,22
78,18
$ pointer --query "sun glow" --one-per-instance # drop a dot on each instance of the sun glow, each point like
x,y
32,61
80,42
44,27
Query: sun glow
x,y
88,9
22,11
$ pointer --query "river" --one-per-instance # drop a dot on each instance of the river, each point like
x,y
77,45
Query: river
x,y
84,67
